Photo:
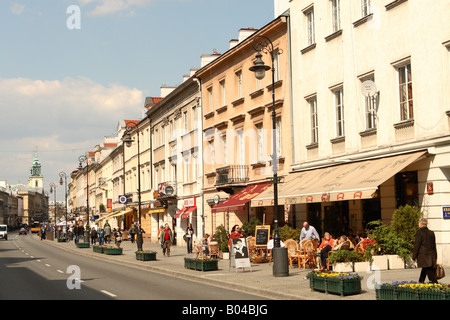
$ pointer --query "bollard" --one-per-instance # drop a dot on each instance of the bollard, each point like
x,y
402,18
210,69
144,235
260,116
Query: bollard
x,y
280,262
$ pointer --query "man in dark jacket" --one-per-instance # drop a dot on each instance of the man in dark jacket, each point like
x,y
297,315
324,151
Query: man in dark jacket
x,y
425,252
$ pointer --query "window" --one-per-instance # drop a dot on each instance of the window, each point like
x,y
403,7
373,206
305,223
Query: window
x,y
336,15
365,8
406,94
239,84
370,110
172,132
222,91
278,137
276,65
185,120
339,110
310,26
186,167
259,130
210,99
194,112
314,121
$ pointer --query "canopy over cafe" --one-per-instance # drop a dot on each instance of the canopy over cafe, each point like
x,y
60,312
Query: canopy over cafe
x,y
347,196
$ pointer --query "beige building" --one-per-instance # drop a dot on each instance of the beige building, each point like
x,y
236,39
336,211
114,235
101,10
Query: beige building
x,y
176,170
237,127
371,101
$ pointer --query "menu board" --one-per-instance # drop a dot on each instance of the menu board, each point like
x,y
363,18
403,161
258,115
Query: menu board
x,y
262,235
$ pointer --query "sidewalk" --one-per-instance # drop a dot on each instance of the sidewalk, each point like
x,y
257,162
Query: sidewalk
x,y
258,279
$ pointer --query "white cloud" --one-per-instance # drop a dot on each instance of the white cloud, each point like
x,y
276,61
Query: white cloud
x,y
17,8
63,118
108,7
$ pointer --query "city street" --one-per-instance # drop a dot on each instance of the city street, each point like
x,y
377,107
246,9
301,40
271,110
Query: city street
x,y
30,269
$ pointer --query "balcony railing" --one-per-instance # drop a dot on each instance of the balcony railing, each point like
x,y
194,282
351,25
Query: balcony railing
x,y
232,174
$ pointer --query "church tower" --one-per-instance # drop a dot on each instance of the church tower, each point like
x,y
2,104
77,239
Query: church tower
x,y
36,180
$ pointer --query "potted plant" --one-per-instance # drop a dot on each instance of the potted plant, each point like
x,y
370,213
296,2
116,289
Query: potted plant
x,y
221,236
146,255
225,251
335,282
343,260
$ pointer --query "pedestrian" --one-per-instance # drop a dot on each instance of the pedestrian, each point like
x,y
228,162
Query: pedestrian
x,y
161,228
132,232
118,237
81,233
94,236
425,252
101,236
189,237
107,233
309,232
166,239
43,233
75,234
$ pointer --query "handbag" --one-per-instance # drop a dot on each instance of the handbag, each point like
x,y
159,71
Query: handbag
x,y
440,272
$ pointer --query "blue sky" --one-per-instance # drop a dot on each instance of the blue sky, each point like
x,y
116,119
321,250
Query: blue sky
x,y
63,90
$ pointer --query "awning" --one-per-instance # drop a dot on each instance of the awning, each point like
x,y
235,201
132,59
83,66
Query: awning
x,y
238,201
121,213
157,210
188,212
179,213
348,181
107,216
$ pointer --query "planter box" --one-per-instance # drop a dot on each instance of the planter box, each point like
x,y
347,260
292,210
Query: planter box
x,y
226,256
336,285
343,267
83,245
201,265
112,251
395,262
389,292
386,292
146,256
379,263
361,266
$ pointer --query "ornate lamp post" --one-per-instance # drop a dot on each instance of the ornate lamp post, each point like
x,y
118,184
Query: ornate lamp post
x,y
53,190
263,44
61,176
82,159
128,142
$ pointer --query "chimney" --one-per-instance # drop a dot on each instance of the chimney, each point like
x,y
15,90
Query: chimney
x,y
233,43
207,58
244,33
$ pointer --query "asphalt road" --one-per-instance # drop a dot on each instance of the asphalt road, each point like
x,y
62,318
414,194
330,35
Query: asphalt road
x,y
31,270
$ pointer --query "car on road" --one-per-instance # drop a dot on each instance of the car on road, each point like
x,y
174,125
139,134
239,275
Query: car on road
x,y
23,231
3,231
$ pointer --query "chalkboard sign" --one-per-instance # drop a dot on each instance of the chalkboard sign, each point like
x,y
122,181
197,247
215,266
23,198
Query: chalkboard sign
x,y
262,235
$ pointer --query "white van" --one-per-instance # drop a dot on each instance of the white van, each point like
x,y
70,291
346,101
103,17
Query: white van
x,y
3,231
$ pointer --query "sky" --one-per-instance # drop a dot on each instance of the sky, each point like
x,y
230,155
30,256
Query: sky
x,y
70,70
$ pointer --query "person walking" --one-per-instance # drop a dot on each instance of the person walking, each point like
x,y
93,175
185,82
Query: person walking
x,y
189,237
94,235
101,236
132,232
166,239
75,234
425,252
118,237
107,233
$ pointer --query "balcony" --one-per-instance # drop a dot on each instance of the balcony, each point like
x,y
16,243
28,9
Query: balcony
x,y
232,175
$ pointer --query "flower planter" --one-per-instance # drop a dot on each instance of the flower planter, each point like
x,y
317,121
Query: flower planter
x,y
99,249
335,283
201,265
343,267
83,245
413,291
379,263
146,255
395,262
112,251
226,256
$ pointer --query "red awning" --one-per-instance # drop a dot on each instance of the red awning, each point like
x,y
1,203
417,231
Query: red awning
x,y
238,201
186,213
179,213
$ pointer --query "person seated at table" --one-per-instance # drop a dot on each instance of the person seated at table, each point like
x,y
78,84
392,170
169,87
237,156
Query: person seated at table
x,y
353,238
325,247
270,243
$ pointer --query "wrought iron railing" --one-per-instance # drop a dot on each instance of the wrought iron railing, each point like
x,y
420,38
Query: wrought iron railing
x,y
232,174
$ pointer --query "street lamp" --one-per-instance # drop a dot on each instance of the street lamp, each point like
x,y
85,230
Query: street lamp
x,y
128,142
53,190
263,44
82,159
61,176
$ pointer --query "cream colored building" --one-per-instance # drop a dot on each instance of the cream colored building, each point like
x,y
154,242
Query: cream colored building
x,y
360,151
176,170
237,127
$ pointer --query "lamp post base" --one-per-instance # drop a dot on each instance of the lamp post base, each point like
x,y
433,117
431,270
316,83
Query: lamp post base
x,y
280,262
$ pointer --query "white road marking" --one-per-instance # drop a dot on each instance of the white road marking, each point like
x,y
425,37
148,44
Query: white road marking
x,y
109,293
47,265
60,271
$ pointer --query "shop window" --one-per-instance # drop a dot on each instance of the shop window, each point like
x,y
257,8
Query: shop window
x,y
406,188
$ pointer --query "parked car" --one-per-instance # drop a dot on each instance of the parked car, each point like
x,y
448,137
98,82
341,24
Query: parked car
x,y
3,231
23,231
